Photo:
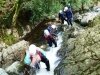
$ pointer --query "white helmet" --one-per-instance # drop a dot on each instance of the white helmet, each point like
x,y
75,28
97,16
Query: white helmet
x,y
53,26
32,49
46,32
66,8
60,11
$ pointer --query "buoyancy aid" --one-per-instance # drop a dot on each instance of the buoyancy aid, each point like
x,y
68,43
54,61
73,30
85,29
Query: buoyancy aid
x,y
48,36
27,59
35,58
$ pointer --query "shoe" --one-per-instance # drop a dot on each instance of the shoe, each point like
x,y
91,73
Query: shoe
x,y
47,69
37,66
56,45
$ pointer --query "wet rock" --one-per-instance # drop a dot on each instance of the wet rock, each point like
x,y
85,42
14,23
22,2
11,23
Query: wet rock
x,y
3,72
13,68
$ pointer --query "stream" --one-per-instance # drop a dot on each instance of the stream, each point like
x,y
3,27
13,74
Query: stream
x,y
51,54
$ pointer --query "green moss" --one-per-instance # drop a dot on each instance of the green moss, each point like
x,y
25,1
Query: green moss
x,y
21,67
95,22
8,39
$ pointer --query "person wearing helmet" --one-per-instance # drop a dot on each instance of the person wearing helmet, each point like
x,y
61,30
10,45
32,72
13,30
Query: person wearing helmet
x,y
61,16
52,29
36,55
68,15
49,38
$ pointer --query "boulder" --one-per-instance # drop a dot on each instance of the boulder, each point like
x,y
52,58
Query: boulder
x,y
13,68
14,52
88,17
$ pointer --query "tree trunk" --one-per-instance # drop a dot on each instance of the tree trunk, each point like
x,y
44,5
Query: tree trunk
x,y
14,19
82,7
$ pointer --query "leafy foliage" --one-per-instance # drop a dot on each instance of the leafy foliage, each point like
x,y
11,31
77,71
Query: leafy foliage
x,y
41,8
14,13
2,2
80,4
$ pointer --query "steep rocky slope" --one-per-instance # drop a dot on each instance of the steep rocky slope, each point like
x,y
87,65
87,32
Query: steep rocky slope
x,y
81,54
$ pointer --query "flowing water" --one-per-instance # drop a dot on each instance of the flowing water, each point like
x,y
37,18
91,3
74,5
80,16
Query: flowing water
x,y
51,54
34,37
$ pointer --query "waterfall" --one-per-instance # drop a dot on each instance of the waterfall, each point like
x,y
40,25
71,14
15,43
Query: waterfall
x,y
51,54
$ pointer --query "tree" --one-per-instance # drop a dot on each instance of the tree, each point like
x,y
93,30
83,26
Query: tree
x,y
15,16
79,4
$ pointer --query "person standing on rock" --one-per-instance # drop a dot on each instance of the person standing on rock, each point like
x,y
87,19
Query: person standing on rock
x,y
68,15
49,38
34,56
61,16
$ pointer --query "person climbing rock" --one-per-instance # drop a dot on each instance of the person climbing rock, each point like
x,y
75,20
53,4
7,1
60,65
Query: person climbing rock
x,y
61,16
68,15
53,30
35,55
49,38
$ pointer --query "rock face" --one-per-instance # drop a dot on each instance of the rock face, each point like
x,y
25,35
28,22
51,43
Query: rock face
x,y
81,55
13,53
2,45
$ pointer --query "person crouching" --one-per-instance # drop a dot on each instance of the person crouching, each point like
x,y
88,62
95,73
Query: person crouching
x,y
34,56
49,38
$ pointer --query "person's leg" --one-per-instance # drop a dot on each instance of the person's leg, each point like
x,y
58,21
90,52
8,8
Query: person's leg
x,y
46,61
54,42
70,21
50,43
37,65
62,21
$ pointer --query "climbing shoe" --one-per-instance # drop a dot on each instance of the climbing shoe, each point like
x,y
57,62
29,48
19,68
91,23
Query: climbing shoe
x,y
55,46
47,69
